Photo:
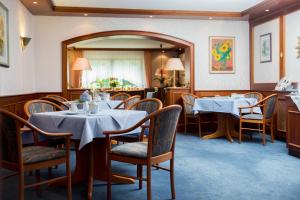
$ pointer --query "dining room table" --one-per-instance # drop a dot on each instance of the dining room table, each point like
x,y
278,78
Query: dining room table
x,y
227,110
88,137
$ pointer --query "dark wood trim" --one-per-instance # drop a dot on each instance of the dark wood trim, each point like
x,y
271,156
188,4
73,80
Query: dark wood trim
x,y
123,49
156,36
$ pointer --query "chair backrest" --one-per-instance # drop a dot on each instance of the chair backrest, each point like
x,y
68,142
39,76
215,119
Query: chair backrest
x,y
37,106
188,102
59,98
150,95
120,96
149,105
269,106
10,140
258,96
62,104
131,100
162,130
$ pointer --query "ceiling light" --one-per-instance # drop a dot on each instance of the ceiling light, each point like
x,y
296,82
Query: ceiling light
x,y
85,14
35,2
150,16
210,18
267,10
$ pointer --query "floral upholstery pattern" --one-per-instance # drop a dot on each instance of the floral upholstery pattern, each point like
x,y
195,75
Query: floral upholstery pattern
x,y
148,106
135,149
35,154
120,96
40,107
130,101
253,116
164,131
188,102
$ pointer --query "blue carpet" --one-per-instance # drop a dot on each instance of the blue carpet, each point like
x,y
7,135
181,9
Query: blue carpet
x,y
204,169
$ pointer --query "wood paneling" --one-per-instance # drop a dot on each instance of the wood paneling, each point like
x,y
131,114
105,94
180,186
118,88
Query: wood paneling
x,y
212,93
15,103
293,131
282,46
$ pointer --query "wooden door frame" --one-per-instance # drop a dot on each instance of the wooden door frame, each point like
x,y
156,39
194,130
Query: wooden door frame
x,y
156,36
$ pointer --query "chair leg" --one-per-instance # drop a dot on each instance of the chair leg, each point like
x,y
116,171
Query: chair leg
x,y
272,132
199,126
184,124
21,185
108,179
149,182
240,132
69,181
37,179
172,178
264,134
140,175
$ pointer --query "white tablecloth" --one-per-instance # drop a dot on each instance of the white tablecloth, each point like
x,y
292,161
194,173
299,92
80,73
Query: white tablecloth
x,y
85,127
224,105
111,104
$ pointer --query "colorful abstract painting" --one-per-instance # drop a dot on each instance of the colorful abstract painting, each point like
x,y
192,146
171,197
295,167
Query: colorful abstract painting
x,y
4,59
222,54
266,48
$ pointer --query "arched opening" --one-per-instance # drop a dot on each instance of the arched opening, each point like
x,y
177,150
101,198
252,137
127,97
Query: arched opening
x,y
188,47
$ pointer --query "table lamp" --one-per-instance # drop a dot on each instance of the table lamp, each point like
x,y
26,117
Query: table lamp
x,y
174,64
81,64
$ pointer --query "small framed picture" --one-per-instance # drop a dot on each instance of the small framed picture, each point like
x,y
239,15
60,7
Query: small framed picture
x,y
4,55
266,48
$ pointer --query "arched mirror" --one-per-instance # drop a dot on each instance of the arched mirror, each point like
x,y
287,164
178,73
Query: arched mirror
x,y
126,60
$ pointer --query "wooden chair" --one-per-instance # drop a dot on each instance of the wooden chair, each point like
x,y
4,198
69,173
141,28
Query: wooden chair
x,y
159,148
268,105
20,160
120,96
59,98
128,102
62,104
149,105
188,103
39,105
258,96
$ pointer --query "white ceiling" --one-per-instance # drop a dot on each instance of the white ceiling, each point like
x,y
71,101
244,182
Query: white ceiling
x,y
194,5
125,41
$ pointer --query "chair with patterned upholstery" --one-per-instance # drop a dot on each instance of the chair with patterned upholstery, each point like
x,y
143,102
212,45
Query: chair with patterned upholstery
x,y
57,101
159,148
120,96
59,98
188,103
268,106
128,102
149,105
258,96
21,159
39,105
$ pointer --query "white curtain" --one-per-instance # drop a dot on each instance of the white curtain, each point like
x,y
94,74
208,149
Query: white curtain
x,y
126,65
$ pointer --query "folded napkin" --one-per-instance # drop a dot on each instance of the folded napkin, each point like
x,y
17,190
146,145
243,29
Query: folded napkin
x,y
296,100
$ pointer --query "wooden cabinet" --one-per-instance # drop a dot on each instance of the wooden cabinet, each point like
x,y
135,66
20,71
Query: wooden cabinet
x,y
293,127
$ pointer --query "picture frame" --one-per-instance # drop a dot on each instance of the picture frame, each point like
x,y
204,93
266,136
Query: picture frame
x,y
4,40
266,48
221,55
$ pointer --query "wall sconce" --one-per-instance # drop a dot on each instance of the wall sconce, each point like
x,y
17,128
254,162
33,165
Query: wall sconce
x,y
24,42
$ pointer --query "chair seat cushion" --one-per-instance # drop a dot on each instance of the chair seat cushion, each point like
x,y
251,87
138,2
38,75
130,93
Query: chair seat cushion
x,y
253,116
35,154
134,149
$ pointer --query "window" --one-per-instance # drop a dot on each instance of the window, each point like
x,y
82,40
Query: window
x,y
127,66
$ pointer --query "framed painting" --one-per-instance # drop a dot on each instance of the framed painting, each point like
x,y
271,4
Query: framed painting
x,y
4,55
222,55
266,48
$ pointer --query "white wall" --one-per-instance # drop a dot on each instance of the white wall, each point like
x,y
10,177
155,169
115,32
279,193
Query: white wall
x,y
292,64
19,78
266,72
51,31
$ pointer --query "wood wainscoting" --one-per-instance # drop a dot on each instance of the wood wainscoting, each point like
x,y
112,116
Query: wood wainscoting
x,y
212,93
15,103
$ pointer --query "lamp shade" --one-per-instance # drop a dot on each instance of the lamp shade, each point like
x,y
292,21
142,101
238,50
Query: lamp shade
x,y
81,64
174,64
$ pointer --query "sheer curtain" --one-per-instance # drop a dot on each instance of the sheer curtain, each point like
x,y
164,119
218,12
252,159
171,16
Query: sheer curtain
x,y
126,65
